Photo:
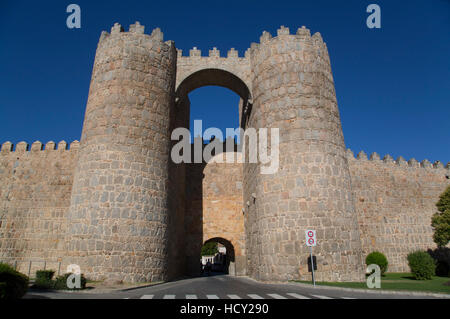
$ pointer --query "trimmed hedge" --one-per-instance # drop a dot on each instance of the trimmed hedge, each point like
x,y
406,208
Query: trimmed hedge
x,y
44,279
61,282
13,284
379,259
422,265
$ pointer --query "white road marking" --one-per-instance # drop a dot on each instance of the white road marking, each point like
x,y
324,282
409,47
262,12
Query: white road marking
x,y
347,298
297,296
191,297
276,296
253,296
234,297
147,297
169,297
321,297
212,297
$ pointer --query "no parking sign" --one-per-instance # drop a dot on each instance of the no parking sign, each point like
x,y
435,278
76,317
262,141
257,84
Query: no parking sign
x,y
311,238
311,242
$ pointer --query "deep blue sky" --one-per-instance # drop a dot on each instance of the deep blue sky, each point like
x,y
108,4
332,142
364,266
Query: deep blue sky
x,y
392,84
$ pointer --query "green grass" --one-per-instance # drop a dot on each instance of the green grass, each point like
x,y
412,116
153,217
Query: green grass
x,y
398,281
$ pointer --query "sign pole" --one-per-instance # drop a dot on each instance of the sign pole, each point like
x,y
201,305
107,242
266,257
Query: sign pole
x,y
311,241
312,266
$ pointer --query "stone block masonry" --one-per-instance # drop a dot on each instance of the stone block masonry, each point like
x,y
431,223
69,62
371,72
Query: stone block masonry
x,y
35,190
118,219
395,201
293,90
116,205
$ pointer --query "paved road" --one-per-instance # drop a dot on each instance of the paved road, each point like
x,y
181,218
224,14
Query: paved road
x,y
225,287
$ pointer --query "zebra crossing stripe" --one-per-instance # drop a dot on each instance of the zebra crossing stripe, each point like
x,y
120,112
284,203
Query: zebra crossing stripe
x,y
321,297
297,296
253,296
276,296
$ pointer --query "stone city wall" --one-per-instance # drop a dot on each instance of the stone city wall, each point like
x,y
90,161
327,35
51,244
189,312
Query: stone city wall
x,y
395,201
35,189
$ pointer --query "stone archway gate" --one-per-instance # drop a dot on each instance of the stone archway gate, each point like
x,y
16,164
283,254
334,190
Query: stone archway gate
x,y
123,178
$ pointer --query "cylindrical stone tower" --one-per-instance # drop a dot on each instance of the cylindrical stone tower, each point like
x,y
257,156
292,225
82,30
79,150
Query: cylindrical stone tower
x,y
293,90
118,218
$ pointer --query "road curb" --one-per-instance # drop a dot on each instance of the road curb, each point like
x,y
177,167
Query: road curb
x,y
379,292
138,287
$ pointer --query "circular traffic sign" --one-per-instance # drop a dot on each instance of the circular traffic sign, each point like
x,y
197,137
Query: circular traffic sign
x,y
310,234
311,241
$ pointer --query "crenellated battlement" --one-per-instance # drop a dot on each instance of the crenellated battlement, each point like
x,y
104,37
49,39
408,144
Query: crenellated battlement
x,y
311,48
231,63
400,161
37,146
136,30
303,34
212,53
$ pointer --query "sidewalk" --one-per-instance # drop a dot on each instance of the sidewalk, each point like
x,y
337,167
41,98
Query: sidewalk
x,y
374,291
101,288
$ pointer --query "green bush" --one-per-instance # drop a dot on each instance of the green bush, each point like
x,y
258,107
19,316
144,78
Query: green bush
x,y
45,274
379,259
422,265
441,225
44,279
441,220
209,249
13,284
61,282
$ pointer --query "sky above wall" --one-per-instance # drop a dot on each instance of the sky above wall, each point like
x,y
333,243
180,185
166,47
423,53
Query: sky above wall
x,y
392,84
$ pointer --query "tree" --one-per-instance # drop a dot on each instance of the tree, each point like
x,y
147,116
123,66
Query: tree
x,y
209,249
441,220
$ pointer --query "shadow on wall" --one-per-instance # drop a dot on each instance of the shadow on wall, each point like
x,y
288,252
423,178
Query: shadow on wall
x,y
194,217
